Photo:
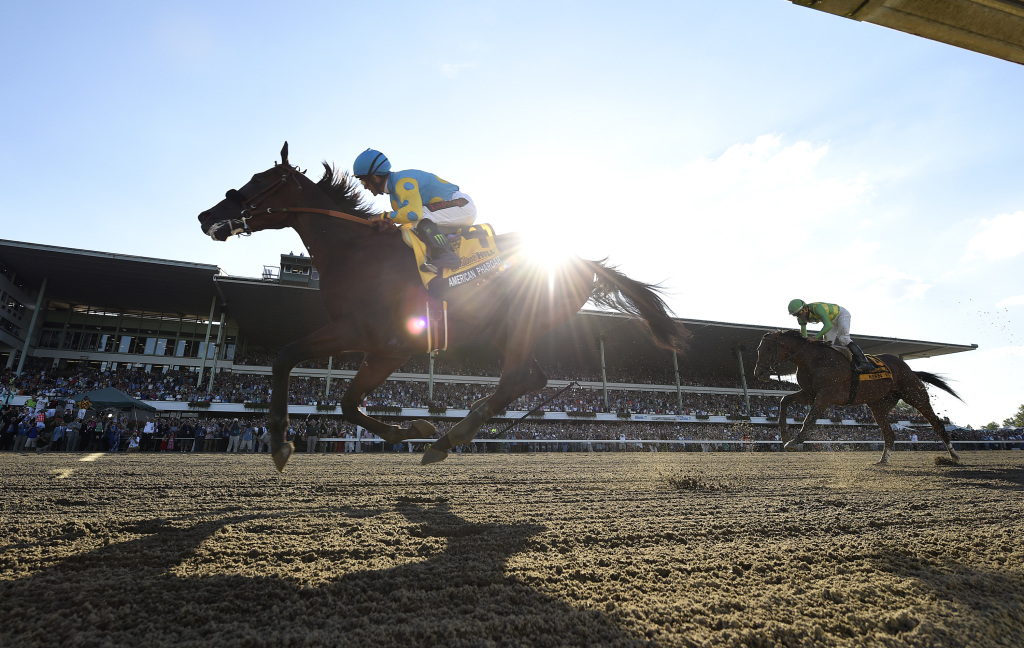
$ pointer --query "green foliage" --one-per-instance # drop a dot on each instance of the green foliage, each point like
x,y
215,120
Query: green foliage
x,y
991,426
1017,420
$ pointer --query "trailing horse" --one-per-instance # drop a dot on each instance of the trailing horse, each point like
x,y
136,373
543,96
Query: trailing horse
x,y
372,290
826,378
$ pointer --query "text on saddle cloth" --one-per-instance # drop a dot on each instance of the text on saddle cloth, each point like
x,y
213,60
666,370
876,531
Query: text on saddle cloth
x,y
879,372
475,246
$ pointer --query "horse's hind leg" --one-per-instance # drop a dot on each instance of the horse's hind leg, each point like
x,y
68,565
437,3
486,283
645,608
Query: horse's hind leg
x,y
880,412
514,383
917,397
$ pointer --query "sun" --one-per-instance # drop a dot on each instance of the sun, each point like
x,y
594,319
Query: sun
x,y
546,251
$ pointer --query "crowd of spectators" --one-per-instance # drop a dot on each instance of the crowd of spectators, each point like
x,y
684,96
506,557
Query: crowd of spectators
x,y
239,387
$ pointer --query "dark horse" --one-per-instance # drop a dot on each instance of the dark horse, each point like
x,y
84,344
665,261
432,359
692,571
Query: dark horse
x,y
824,377
372,290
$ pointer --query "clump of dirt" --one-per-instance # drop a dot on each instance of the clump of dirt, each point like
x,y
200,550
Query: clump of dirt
x,y
697,482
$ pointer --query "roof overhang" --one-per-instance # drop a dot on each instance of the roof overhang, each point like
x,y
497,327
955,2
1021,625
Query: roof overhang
x,y
111,280
992,27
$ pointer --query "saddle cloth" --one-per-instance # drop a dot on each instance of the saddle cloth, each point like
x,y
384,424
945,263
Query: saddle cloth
x,y
475,245
879,372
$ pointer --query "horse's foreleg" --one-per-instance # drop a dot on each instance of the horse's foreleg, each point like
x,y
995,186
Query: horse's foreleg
x,y
277,417
374,370
801,397
322,342
880,412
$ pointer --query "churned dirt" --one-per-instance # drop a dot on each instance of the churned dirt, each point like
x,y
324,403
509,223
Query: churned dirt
x,y
615,549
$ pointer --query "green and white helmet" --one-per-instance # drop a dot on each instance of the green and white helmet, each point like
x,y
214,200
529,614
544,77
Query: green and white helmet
x,y
795,306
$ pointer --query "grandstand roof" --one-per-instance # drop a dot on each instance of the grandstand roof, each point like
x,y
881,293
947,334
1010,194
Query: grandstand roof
x,y
271,314
297,311
115,281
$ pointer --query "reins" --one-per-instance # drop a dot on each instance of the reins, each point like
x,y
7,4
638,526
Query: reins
x,y
250,207
313,210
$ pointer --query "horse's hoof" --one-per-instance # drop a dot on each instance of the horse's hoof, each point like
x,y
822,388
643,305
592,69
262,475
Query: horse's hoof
x,y
430,455
281,456
425,429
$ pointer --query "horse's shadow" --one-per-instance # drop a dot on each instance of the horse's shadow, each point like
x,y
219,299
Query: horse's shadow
x,y
1011,479
990,595
992,478
133,593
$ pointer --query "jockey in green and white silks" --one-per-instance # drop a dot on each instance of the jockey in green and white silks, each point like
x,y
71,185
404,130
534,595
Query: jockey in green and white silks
x,y
835,327
435,207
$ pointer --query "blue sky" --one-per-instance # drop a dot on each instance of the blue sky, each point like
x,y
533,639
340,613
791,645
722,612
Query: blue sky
x,y
742,153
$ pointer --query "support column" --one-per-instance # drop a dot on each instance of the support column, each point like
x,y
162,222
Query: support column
x,y
430,377
327,389
743,378
31,327
604,373
216,352
679,389
206,344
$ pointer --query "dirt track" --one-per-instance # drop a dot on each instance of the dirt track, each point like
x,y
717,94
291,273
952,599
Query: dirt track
x,y
728,549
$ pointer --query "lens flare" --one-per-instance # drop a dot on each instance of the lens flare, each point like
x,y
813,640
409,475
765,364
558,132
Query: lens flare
x,y
416,325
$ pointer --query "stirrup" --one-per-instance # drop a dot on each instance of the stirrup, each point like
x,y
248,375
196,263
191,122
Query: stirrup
x,y
430,267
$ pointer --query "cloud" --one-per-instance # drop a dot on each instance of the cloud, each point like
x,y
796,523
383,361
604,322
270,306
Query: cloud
x,y
1010,301
761,189
999,238
452,70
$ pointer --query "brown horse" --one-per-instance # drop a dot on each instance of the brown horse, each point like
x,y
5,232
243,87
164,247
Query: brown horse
x,y
371,288
825,376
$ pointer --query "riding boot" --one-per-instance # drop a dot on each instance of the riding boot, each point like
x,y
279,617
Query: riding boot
x,y
439,249
860,361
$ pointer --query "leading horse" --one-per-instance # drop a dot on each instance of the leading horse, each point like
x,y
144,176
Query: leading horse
x,y
372,291
825,377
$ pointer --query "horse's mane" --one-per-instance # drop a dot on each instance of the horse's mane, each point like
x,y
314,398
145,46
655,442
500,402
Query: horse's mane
x,y
793,333
346,192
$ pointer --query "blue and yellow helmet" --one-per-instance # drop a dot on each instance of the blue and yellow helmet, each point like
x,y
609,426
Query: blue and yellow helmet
x,y
371,162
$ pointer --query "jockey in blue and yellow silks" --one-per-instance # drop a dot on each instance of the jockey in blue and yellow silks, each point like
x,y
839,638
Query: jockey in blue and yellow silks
x,y
835,327
433,206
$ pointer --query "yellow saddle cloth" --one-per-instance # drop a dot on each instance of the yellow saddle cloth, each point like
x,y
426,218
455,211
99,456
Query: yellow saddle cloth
x,y
880,370
475,245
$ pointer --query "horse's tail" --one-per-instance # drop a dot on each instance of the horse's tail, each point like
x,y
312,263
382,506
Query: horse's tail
x,y
932,379
618,292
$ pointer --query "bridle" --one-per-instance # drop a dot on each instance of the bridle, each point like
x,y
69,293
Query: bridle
x,y
250,207
774,337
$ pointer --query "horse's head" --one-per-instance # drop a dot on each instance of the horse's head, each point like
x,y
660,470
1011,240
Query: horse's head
x,y
252,207
776,348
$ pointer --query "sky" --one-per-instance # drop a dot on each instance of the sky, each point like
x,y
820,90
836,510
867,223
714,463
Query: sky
x,y
741,153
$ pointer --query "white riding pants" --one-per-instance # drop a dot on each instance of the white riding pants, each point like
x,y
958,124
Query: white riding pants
x,y
839,334
453,218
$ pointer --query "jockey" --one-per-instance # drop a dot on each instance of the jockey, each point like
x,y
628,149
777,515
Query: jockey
x,y
835,327
431,205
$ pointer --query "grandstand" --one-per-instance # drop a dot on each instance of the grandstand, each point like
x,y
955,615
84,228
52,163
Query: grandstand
x,y
194,342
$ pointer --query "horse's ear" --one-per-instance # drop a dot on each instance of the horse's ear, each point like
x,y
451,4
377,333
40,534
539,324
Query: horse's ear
x,y
284,154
